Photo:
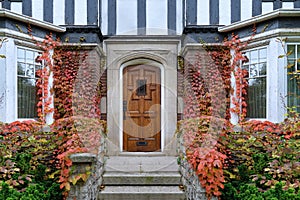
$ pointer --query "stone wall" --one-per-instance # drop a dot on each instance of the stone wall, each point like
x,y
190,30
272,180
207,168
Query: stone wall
x,y
93,165
189,179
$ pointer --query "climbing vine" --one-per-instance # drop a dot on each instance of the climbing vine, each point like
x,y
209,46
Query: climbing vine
x,y
207,103
2,40
231,161
76,91
42,83
239,91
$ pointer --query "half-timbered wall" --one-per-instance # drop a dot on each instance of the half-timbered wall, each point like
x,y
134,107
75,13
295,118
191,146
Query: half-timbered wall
x,y
130,17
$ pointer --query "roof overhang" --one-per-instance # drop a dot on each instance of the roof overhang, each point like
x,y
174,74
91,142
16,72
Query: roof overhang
x,y
260,18
4,13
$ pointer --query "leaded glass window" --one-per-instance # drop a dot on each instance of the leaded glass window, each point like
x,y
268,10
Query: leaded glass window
x,y
27,76
293,77
257,80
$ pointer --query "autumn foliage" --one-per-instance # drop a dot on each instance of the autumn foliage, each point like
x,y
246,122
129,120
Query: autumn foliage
x,y
77,127
233,161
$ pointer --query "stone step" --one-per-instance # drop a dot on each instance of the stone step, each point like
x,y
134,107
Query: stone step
x,y
123,178
141,178
137,164
141,193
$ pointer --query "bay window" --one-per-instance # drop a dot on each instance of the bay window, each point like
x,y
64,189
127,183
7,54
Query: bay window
x,y
293,77
27,76
257,80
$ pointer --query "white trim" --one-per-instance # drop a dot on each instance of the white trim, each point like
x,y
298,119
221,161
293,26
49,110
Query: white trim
x,y
18,35
23,18
140,61
269,35
261,18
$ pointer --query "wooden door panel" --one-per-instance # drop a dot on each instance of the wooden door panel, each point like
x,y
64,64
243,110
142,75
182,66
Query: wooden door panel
x,y
142,108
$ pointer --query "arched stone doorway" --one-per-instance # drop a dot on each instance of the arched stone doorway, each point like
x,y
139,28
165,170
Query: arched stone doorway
x,y
159,59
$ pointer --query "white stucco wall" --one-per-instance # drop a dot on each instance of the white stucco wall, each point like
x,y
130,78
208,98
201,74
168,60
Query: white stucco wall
x,y
276,73
8,82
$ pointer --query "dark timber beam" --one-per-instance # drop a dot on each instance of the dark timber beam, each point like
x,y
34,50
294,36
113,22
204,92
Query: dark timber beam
x,y
297,4
6,4
69,12
171,17
256,7
141,14
235,10
277,4
213,12
191,12
48,11
92,12
100,13
112,17
27,7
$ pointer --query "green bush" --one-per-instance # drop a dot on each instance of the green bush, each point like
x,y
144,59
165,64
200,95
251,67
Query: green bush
x,y
251,192
27,163
32,192
264,162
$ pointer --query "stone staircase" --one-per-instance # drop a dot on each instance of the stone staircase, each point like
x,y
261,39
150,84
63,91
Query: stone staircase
x,y
141,178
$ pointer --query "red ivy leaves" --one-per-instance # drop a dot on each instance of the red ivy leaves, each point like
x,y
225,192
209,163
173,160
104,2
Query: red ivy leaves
x,y
17,126
80,98
43,74
241,84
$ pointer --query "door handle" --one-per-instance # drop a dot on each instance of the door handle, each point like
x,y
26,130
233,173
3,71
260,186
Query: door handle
x,y
124,105
124,109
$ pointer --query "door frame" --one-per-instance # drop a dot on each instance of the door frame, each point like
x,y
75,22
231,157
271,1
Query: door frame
x,y
152,63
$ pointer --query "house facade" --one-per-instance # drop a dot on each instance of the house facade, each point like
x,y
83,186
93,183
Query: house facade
x,y
138,44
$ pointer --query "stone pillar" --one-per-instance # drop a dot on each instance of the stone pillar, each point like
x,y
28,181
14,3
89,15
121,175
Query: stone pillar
x,y
189,179
93,166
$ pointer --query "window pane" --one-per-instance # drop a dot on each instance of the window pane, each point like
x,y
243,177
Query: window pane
x,y
263,55
294,92
256,98
298,51
29,56
262,69
26,98
21,69
30,71
254,56
291,67
291,48
257,91
21,55
253,71
293,85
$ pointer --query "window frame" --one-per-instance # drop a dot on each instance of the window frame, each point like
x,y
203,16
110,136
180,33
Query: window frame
x,y
248,64
297,68
26,48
